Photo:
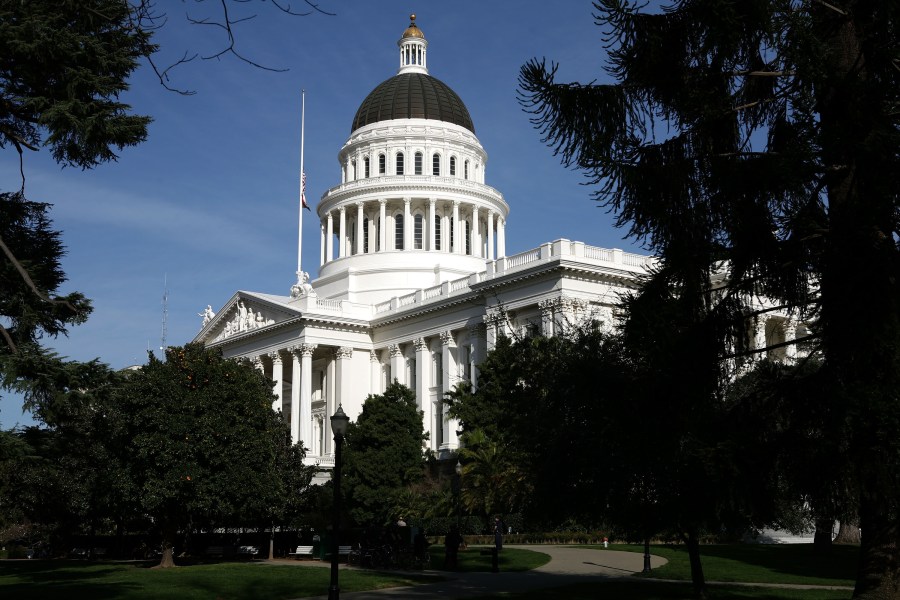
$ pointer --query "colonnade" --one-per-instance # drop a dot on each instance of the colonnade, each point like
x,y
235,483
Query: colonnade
x,y
308,388
425,224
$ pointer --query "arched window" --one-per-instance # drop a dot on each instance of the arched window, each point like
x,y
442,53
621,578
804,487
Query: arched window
x,y
352,169
381,164
399,163
437,233
468,243
418,163
452,166
436,164
366,166
365,236
418,231
465,169
398,231
352,236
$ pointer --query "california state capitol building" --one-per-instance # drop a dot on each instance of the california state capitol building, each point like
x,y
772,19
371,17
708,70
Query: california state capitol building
x,y
414,282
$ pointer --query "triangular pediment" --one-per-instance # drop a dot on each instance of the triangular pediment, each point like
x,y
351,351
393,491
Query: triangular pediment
x,y
244,314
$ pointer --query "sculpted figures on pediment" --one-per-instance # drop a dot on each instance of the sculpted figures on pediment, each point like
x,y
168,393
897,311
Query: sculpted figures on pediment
x,y
242,319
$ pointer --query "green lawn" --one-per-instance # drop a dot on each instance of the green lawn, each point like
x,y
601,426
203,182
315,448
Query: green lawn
x,y
653,590
76,580
793,564
510,559
758,563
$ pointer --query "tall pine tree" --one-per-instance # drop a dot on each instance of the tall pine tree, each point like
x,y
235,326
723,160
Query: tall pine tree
x,y
759,139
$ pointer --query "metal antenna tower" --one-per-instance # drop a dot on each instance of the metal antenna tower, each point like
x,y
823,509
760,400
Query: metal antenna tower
x,y
165,317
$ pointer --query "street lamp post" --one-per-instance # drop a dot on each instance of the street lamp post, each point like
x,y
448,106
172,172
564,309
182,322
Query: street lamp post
x,y
339,422
647,554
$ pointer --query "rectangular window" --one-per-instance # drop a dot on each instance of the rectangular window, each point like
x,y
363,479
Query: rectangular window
x,y
381,164
366,163
398,232
400,163
418,163
436,165
452,166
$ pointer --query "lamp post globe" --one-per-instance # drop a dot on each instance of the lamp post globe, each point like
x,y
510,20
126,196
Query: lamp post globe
x,y
339,422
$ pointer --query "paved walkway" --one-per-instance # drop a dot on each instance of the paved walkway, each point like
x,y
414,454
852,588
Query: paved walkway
x,y
567,565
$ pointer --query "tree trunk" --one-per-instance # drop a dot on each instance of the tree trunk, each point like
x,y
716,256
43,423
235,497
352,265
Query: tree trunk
x,y
169,533
879,564
822,538
693,546
848,533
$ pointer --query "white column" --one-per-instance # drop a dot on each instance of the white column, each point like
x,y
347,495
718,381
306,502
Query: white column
x,y
491,322
278,378
342,237
423,383
490,235
477,337
457,249
430,224
321,244
546,308
398,364
760,336
329,238
448,366
330,404
374,373
306,434
501,237
476,238
296,383
359,228
382,227
342,376
407,225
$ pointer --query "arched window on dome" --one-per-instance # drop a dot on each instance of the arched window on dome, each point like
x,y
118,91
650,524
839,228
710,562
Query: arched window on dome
x,y
418,232
398,231
452,166
417,163
366,166
436,164
399,163
437,233
353,170
382,164
352,237
378,234
468,233
365,236
465,169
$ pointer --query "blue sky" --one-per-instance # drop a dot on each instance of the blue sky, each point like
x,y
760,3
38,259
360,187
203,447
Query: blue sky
x,y
209,202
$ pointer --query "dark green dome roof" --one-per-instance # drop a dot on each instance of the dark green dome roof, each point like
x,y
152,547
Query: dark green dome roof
x,y
412,96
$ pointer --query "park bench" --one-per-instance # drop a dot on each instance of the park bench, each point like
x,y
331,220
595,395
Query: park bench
x,y
301,552
342,551
248,551
221,551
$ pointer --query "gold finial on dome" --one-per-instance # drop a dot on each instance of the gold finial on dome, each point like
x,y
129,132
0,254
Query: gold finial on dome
x,y
413,30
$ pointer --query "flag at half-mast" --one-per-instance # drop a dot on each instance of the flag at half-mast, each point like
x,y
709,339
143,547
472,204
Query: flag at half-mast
x,y
303,191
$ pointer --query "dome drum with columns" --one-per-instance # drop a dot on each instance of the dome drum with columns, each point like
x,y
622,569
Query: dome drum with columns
x,y
414,281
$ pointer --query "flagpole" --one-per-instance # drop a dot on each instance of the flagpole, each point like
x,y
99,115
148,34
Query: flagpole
x,y
302,185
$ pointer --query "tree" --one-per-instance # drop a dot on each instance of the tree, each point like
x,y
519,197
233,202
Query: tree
x,y
760,139
204,446
384,454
